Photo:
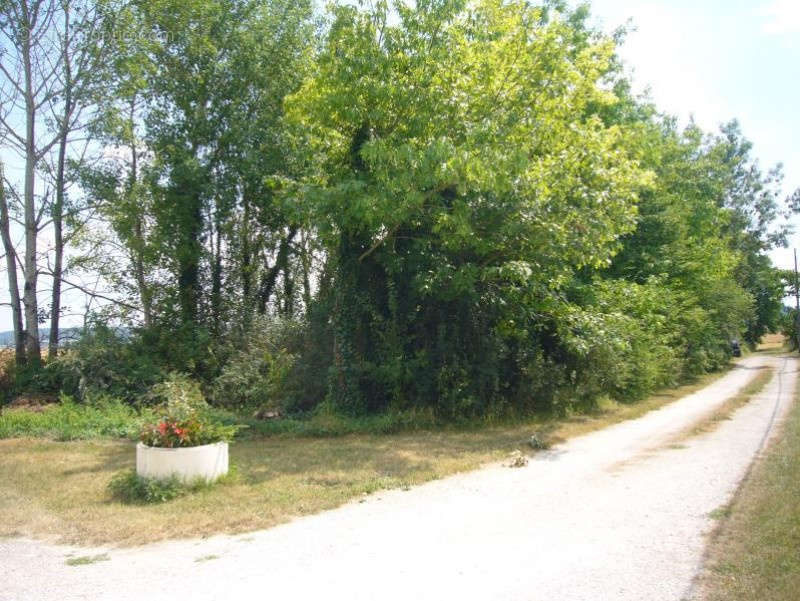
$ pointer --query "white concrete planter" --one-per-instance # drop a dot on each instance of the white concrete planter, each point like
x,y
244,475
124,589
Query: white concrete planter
x,y
207,462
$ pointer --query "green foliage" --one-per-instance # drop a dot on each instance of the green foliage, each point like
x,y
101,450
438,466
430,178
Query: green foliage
x,y
447,210
184,416
7,377
788,327
68,420
129,487
456,206
107,363
258,376
179,396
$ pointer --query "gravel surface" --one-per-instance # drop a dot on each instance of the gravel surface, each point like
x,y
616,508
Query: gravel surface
x,y
620,514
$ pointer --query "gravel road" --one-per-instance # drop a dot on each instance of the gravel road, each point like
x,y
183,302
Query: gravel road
x,y
620,514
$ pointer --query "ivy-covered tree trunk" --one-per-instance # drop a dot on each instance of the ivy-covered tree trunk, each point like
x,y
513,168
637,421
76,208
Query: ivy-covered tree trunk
x,y
187,227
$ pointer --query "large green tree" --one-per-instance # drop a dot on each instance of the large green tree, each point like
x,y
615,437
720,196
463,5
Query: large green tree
x,y
197,111
465,176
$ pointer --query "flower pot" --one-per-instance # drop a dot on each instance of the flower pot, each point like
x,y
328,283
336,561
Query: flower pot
x,y
207,462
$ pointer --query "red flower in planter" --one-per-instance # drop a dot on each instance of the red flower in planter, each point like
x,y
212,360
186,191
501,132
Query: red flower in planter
x,y
162,428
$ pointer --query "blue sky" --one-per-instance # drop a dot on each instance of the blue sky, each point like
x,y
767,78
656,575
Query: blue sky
x,y
717,60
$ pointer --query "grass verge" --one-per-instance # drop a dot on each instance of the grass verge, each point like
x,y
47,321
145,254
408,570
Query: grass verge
x,y
68,420
754,552
726,410
59,490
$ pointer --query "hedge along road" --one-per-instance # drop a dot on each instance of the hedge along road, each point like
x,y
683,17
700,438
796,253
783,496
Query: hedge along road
x,y
619,514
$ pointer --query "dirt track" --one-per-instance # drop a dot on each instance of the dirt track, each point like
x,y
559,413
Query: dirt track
x,y
620,514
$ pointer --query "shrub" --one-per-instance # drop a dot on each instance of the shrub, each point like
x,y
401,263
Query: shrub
x,y
184,419
107,362
129,487
6,376
258,375
254,378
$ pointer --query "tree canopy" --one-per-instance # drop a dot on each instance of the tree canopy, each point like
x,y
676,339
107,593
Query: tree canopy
x,y
450,206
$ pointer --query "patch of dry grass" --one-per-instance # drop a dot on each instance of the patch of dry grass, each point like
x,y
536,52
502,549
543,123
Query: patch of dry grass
x,y
726,410
772,343
58,490
754,553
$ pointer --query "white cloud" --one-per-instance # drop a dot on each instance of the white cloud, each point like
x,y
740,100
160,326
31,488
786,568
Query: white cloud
x,y
781,17
663,53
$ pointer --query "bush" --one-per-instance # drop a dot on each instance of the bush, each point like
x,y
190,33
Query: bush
x,y
6,376
184,419
258,375
107,362
127,486
254,378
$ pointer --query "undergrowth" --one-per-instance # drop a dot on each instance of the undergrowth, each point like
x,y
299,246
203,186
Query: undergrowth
x,y
128,487
68,420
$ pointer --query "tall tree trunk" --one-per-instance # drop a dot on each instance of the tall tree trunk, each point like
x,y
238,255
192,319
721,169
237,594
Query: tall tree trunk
x,y
138,247
190,224
31,226
216,275
58,206
271,275
305,264
288,288
247,261
11,265
145,295
58,233
57,214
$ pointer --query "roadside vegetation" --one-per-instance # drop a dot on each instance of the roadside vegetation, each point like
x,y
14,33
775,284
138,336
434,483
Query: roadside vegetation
x,y
395,242
383,218
729,407
753,554
276,477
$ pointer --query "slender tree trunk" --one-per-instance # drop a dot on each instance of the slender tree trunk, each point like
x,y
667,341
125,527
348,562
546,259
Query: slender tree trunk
x,y
271,275
145,294
190,229
247,260
288,288
138,247
305,264
216,275
57,214
32,347
58,234
58,205
11,265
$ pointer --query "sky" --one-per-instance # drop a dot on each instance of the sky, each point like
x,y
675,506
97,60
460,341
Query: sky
x,y
711,60
716,60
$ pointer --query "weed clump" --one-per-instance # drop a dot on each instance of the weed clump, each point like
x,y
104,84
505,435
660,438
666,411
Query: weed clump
x,y
129,487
